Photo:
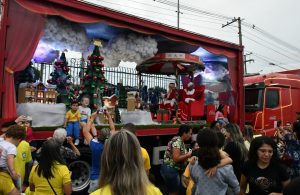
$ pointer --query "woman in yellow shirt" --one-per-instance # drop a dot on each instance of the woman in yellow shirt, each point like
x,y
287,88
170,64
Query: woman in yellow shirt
x,y
122,167
50,176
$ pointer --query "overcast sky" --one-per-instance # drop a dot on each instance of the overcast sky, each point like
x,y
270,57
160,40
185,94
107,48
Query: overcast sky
x,y
276,17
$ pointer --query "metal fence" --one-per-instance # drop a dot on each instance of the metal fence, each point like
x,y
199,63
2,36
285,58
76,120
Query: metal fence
x,y
128,76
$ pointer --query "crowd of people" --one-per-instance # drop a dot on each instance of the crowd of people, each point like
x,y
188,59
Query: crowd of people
x,y
221,159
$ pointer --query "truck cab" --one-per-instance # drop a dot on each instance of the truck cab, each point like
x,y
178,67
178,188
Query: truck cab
x,y
271,98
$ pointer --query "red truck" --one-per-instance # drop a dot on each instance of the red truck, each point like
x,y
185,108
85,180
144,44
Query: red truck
x,y
271,98
22,23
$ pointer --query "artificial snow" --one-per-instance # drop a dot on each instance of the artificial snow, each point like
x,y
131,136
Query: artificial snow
x,y
43,115
137,117
127,48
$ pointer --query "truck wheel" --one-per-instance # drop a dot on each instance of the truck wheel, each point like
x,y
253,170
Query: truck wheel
x,y
80,175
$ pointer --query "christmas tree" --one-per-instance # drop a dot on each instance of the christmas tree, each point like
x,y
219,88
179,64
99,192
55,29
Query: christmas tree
x,y
93,81
73,95
60,76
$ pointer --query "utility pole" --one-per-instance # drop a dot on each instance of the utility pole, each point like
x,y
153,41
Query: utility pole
x,y
239,27
246,61
239,21
178,12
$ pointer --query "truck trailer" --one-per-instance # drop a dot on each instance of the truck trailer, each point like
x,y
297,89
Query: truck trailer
x,y
22,26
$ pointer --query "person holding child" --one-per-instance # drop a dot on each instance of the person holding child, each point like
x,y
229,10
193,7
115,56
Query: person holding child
x,y
72,119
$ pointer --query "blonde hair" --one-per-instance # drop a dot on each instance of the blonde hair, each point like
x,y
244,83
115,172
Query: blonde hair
x,y
122,165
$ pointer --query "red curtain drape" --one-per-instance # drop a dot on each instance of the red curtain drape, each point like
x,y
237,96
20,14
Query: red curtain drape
x,y
23,35
48,8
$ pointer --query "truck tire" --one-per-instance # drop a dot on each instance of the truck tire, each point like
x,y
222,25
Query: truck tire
x,y
80,169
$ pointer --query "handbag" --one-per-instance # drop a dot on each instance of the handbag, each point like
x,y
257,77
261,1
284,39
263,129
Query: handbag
x,y
51,187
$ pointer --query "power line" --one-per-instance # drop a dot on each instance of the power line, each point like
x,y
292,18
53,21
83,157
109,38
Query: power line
x,y
188,8
264,57
270,60
270,43
159,19
203,14
272,37
270,48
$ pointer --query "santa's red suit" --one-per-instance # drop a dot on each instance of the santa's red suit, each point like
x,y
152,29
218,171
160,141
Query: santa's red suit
x,y
187,96
170,99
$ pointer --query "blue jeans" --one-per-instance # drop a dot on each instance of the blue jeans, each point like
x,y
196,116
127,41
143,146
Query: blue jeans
x,y
171,178
73,129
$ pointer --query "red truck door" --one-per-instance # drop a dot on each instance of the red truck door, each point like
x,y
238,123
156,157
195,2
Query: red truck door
x,y
272,107
287,112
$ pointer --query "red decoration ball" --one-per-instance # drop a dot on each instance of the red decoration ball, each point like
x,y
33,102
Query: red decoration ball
x,y
94,56
81,79
102,71
94,63
89,57
86,76
95,78
102,64
102,79
82,86
101,58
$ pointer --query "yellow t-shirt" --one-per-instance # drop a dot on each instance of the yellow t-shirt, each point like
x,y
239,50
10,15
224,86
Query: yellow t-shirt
x,y
73,117
23,156
146,159
151,190
28,192
6,183
61,176
190,186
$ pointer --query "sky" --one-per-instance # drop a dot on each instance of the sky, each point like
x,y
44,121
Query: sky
x,y
273,19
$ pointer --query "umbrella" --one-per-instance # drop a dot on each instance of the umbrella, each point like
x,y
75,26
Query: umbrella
x,y
171,64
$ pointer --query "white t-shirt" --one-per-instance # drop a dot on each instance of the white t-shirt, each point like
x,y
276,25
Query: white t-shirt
x,y
85,112
6,149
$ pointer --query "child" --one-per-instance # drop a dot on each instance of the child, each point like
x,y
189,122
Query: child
x,y
8,147
85,111
72,122
225,160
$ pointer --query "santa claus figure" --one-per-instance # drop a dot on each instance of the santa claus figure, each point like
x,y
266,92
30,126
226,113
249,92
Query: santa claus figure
x,y
169,98
187,97
189,93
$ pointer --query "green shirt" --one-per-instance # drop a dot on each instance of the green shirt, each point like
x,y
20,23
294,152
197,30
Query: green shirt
x,y
176,142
